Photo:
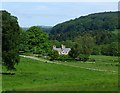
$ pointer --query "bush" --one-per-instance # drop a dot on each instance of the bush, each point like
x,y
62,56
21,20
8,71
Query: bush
x,y
82,57
64,57
53,55
96,50
110,49
91,60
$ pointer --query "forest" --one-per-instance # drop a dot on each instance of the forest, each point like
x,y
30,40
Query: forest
x,y
106,21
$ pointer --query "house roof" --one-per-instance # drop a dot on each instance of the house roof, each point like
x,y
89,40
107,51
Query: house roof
x,y
66,49
63,50
58,49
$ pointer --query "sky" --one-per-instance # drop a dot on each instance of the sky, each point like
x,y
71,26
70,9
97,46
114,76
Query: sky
x,y
52,13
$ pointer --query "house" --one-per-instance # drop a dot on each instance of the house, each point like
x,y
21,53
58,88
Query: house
x,y
63,50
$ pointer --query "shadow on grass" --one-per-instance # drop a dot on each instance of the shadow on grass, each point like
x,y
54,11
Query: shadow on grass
x,y
7,73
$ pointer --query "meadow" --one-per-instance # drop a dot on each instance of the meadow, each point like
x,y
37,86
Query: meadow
x,y
34,75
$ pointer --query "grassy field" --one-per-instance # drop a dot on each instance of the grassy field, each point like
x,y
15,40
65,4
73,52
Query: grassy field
x,y
102,63
33,75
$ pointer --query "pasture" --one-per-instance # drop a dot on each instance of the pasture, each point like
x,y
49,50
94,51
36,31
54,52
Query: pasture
x,y
34,75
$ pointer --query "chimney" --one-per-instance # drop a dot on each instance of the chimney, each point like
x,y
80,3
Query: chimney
x,y
54,46
63,47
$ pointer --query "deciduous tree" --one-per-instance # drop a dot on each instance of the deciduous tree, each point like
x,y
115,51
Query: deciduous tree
x,y
38,40
10,40
83,47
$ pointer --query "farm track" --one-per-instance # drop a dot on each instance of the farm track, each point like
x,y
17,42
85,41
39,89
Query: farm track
x,y
46,61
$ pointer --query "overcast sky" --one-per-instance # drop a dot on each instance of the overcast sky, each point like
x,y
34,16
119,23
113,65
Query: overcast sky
x,y
51,13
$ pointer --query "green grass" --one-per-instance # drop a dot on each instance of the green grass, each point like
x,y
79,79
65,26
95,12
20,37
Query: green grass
x,y
116,32
34,75
105,63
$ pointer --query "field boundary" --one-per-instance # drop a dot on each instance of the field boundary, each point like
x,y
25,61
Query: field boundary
x,y
47,61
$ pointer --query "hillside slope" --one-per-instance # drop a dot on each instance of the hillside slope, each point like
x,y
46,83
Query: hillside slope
x,y
107,21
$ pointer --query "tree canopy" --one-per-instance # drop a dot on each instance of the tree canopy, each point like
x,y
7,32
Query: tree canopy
x,y
82,48
37,40
10,40
106,21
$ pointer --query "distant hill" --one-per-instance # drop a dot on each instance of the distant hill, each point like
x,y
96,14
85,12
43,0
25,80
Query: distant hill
x,y
104,21
25,28
46,29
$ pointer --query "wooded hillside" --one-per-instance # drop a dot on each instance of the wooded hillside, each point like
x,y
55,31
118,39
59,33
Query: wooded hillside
x,y
105,21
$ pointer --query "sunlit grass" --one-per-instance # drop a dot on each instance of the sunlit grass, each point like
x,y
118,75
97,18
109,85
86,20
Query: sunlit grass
x,y
37,76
